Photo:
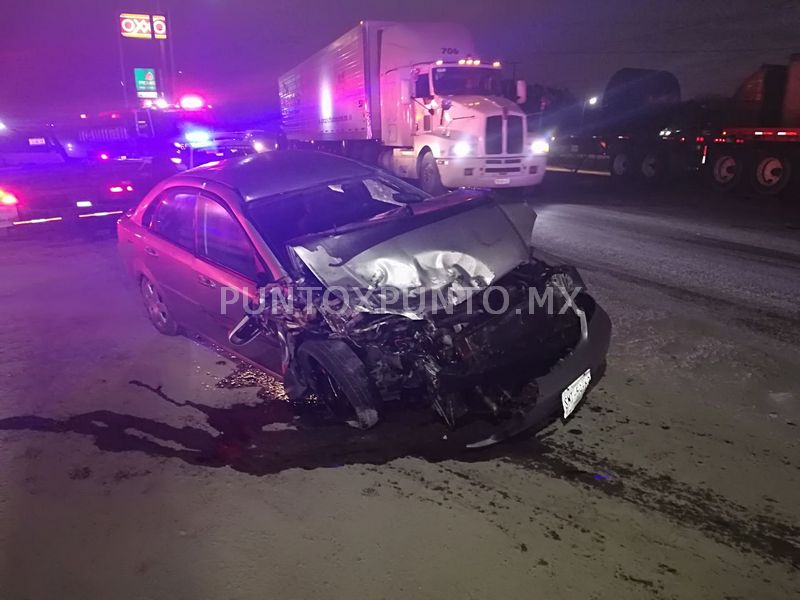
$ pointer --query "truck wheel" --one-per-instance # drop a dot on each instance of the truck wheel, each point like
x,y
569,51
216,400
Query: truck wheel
x,y
771,174
429,179
726,171
622,165
653,167
339,379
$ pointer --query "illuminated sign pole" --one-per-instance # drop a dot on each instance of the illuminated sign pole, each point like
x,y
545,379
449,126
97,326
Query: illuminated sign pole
x,y
144,27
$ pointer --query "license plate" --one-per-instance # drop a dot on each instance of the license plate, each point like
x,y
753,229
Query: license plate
x,y
502,181
571,396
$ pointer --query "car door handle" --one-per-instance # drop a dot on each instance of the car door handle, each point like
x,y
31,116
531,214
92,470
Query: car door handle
x,y
206,281
151,251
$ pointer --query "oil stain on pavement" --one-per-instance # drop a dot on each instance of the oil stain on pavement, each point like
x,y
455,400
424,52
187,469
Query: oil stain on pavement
x,y
274,435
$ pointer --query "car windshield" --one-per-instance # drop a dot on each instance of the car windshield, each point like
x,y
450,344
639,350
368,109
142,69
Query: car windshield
x,y
455,81
326,206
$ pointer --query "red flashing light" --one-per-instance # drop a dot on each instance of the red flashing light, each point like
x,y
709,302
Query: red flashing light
x,y
700,139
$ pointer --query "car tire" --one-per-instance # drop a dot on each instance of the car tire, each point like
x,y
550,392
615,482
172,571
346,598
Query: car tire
x,y
339,379
429,178
770,173
157,310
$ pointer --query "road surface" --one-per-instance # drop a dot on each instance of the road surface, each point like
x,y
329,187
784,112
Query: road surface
x,y
141,466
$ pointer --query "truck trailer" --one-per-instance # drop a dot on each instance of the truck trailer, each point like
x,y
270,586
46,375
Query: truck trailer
x,y
416,99
759,148
639,130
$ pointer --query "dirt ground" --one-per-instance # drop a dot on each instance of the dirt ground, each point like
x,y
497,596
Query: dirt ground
x,y
146,467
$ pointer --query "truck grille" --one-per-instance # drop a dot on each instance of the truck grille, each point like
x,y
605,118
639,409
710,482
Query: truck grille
x,y
515,135
494,135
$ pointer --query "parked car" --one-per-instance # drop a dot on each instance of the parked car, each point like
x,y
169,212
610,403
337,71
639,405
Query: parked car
x,y
359,289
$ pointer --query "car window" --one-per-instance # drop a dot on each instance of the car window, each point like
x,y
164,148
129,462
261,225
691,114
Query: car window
x,y
222,240
172,217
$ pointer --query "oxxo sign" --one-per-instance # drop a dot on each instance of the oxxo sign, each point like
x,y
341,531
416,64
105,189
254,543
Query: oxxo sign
x,y
144,27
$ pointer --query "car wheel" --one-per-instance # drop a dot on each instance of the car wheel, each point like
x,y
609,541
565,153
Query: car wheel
x,y
339,379
157,310
429,178
726,171
771,174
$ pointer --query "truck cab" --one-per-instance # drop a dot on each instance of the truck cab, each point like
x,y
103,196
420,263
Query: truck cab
x,y
465,133
416,99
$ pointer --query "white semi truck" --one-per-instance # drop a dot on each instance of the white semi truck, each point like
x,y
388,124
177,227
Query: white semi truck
x,y
418,100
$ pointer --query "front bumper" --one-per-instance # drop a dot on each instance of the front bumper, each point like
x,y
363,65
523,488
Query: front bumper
x,y
492,171
589,353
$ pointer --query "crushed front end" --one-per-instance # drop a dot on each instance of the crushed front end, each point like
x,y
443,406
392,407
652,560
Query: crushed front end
x,y
505,356
510,339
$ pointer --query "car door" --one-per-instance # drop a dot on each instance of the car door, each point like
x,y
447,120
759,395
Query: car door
x,y
168,250
226,271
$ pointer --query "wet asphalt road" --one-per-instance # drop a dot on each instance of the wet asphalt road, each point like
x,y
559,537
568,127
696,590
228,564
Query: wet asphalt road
x,y
139,466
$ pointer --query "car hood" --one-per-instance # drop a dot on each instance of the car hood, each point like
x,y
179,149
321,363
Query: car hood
x,y
452,246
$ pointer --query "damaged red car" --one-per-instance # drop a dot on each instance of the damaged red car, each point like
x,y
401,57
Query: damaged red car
x,y
358,290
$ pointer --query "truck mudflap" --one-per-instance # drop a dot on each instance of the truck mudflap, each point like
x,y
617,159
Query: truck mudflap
x,y
589,353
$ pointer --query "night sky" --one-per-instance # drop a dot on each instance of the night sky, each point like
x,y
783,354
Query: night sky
x,y
62,56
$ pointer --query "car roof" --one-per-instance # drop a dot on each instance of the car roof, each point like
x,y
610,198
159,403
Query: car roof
x,y
269,173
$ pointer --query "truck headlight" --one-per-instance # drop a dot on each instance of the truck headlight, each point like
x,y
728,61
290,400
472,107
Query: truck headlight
x,y
540,147
462,148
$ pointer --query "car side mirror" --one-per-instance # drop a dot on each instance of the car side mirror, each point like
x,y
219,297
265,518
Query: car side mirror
x,y
245,331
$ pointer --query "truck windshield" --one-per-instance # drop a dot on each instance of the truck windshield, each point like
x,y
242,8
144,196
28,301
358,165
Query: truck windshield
x,y
460,81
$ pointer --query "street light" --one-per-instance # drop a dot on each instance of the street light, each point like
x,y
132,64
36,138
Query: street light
x,y
591,101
